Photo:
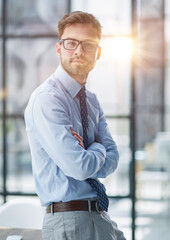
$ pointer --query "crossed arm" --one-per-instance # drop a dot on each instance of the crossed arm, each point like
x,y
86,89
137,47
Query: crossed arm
x,y
78,137
65,147
110,164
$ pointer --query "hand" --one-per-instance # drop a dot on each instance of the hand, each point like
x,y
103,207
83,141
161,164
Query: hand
x,y
78,137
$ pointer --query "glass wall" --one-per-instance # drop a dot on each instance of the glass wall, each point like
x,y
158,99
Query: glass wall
x,y
1,157
111,82
29,57
30,62
27,47
1,145
0,16
167,65
29,54
108,80
152,120
34,17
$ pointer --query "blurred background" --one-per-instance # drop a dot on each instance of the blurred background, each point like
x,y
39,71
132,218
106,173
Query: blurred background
x,y
132,83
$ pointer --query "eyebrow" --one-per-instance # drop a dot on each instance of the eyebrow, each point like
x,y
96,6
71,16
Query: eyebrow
x,y
86,40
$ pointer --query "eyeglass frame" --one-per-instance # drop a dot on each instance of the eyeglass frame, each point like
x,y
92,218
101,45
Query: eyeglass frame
x,y
79,42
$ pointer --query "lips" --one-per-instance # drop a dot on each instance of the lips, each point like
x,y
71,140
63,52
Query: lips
x,y
79,61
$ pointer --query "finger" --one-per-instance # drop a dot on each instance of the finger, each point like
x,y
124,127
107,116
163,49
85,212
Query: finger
x,y
79,140
81,144
77,137
75,134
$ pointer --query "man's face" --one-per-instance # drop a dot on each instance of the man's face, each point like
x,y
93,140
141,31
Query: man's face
x,y
78,63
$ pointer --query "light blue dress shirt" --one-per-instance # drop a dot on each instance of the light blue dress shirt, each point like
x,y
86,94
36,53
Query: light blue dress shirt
x,y
60,165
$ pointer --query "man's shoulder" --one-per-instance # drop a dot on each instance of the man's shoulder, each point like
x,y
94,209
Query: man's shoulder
x,y
50,85
91,94
49,90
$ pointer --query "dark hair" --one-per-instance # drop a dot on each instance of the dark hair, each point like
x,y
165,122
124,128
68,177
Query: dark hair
x,y
78,17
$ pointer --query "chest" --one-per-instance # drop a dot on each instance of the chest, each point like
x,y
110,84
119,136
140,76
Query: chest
x,y
93,118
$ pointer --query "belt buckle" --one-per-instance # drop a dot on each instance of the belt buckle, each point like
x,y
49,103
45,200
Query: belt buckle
x,y
98,209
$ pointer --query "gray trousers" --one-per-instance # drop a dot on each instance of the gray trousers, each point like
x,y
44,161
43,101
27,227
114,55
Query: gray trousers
x,y
80,225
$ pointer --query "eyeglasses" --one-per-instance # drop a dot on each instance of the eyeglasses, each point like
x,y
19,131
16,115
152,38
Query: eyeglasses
x,y
72,44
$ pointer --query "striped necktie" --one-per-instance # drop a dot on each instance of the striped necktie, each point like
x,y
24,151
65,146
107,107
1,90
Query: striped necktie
x,y
84,115
102,198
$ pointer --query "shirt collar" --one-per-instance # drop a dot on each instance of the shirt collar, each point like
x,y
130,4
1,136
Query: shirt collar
x,y
69,83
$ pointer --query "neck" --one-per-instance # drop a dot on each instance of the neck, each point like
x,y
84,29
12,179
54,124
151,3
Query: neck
x,y
81,79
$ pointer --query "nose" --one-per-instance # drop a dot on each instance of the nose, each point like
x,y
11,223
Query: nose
x,y
79,50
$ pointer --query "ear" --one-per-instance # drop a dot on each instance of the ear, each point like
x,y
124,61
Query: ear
x,y
58,46
99,53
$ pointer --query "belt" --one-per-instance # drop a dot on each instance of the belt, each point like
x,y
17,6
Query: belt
x,y
75,205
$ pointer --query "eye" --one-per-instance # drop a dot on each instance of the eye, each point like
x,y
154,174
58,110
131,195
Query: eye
x,y
90,46
71,43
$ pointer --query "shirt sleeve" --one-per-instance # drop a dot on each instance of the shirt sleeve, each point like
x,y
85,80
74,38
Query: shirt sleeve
x,y
51,126
104,138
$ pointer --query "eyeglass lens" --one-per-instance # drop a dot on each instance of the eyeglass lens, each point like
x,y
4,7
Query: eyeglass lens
x,y
73,44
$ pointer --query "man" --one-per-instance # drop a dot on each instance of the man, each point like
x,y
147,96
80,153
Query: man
x,y
70,143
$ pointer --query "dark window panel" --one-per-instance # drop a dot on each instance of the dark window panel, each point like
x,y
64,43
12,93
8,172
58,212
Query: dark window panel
x,y
1,157
167,94
118,182
0,16
1,76
26,71
19,171
151,9
33,17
